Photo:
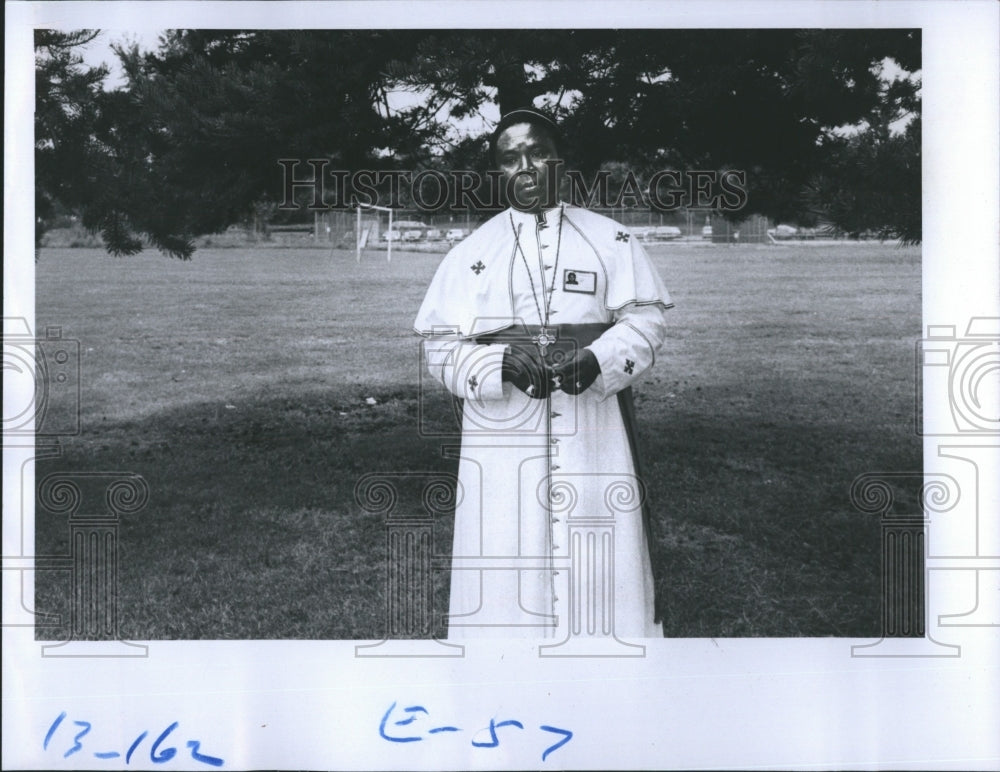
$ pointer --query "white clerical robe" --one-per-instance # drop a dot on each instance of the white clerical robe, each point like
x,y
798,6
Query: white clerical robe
x,y
549,533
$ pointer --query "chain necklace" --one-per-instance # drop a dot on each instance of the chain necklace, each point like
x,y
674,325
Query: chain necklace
x,y
546,336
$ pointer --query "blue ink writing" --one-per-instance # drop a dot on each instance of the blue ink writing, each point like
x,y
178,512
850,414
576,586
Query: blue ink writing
x,y
494,741
194,745
157,754
52,730
131,750
77,745
387,732
568,736
391,738
168,753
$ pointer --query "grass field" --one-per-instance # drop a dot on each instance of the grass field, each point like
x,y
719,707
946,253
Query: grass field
x,y
236,385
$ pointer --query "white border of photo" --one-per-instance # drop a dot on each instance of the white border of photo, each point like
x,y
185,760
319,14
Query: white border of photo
x,y
689,703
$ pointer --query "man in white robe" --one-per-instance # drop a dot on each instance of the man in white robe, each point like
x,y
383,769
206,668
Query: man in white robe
x,y
540,321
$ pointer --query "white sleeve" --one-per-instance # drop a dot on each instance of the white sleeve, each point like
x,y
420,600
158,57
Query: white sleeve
x,y
629,348
468,370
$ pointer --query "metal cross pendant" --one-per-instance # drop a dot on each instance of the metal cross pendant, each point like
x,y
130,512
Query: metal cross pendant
x,y
545,338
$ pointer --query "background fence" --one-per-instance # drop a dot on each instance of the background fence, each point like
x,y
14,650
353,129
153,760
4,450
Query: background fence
x,y
338,228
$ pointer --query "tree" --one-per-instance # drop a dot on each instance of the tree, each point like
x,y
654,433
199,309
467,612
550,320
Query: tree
x,y
217,110
871,185
67,96
191,143
91,150
764,101
870,182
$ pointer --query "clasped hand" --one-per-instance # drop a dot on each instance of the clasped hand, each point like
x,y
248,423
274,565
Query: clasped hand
x,y
572,372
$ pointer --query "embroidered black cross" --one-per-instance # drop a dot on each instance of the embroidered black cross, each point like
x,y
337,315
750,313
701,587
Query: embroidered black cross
x,y
622,236
478,267
629,364
473,382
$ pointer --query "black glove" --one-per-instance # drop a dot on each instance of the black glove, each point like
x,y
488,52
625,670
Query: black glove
x,y
577,372
524,367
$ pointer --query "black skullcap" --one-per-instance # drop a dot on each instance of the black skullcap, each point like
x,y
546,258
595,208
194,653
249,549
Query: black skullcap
x,y
524,115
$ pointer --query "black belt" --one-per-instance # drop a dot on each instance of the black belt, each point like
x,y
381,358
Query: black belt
x,y
566,335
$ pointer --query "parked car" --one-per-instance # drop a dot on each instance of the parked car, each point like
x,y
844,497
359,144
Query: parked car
x,y
455,234
413,234
392,235
665,232
783,232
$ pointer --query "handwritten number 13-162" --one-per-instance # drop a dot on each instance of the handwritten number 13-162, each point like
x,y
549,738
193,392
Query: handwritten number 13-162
x,y
157,754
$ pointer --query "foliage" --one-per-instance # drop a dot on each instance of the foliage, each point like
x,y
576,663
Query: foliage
x,y
67,151
190,144
871,185
763,101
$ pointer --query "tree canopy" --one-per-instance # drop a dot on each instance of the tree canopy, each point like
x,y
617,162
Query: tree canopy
x,y
190,143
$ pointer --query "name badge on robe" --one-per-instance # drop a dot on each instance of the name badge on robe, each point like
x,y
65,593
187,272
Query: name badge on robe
x,y
580,281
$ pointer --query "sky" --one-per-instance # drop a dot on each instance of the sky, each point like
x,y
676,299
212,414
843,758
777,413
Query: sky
x,y
99,51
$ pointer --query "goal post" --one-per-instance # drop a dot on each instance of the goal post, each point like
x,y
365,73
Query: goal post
x,y
363,235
